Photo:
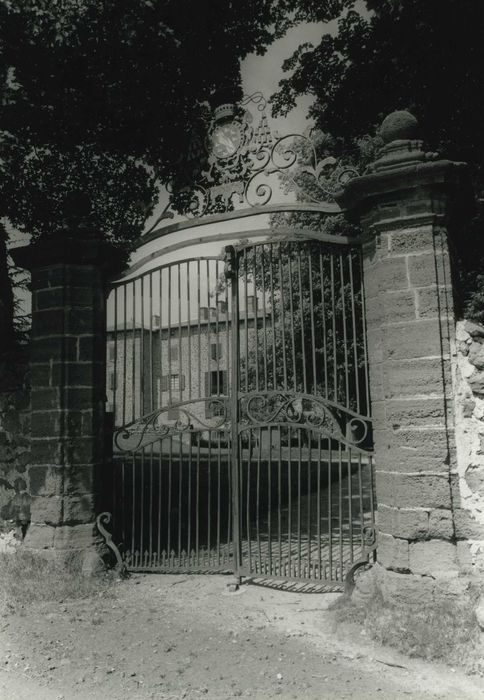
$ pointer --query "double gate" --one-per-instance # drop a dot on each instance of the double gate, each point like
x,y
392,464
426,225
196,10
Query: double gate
x,y
239,389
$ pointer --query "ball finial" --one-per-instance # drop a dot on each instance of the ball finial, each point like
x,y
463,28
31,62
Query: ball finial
x,y
399,125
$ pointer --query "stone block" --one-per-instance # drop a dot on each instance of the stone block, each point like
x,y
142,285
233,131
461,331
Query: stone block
x,y
393,552
79,478
416,377
408,523
416,412
81,450
441,524
79,398
54,348
82,536
404,589
45,398
466,525
413,490
78,509
476,354
434,302
399,306
392,274
47,509
428,269
47,451
39,536
408,450
474,477
46,423
436,558
476,382
412,340
415,240
45,480
40,374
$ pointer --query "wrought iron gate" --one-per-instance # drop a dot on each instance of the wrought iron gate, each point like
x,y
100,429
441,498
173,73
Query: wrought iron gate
x,y
240,393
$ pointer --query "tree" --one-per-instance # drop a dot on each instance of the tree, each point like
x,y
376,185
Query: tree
x,y
427,57
100,99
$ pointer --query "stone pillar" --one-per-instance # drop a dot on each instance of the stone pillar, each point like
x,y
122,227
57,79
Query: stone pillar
x,y
68,391
403,205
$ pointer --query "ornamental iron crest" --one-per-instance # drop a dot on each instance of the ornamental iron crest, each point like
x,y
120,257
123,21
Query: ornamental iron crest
x,y
157,425
243,162
304,410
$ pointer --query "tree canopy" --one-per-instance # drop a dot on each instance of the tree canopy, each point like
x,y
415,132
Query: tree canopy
x,y
99,100
427,57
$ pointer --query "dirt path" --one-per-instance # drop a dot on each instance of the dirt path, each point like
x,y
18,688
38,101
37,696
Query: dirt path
x,y
187,637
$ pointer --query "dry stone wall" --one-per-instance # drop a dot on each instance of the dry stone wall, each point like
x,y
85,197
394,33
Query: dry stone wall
x,y
14,459
468,371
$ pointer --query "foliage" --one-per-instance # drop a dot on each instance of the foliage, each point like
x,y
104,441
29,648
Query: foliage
x,y
445,631
427,57
98,101
27,577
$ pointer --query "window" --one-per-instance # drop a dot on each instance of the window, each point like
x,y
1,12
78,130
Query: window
x,y
172,382
174,352
112,381
216,351
215,385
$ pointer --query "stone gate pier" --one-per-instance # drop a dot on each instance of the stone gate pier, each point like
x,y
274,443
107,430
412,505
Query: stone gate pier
x,y
408,206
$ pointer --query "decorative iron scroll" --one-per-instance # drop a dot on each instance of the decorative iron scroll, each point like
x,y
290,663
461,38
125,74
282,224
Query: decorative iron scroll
x,y
233,166
157,426
304,410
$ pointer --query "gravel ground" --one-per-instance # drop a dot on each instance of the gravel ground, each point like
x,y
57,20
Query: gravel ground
x,y
189,637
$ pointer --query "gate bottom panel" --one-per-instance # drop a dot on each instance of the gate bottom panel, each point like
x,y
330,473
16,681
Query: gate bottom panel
x,y
306,505
172,505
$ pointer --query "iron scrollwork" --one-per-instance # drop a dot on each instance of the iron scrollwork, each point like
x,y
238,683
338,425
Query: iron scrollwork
x,y
304,410
156,425
234,167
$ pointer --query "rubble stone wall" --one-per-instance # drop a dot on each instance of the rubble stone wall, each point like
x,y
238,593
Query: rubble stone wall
x,y
468,374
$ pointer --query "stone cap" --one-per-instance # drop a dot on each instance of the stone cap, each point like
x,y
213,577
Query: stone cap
x,y
402,165
68,250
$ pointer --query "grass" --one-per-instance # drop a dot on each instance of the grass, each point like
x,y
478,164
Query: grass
x,y
27,577
445,631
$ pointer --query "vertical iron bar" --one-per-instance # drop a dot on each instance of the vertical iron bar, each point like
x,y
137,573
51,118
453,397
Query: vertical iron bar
x,y
256,320
345,344
189,333
350,504
301,313
333,314
283,318
235,445
133,368
125,351
313,334
273,317
264,313
142,349
151,344
291,318
115,381
363,336
323,314
355,344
